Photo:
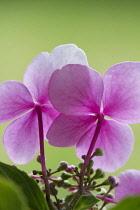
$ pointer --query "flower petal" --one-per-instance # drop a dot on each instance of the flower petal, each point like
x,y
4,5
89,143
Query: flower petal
x,y
76,90
48,115
129,184
67,54
21,138
38,73
116,139
37,76
121,98
15,99
66,130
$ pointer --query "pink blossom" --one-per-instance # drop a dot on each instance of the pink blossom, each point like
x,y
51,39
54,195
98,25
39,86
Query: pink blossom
x,y
21,137
83,96
129,184
70,169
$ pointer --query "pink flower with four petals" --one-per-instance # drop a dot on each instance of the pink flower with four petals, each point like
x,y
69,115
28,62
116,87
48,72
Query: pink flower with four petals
x,y
17,100
82,96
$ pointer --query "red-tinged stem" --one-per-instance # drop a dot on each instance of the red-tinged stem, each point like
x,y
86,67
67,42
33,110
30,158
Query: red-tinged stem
x,y
109,200
42,154
90,151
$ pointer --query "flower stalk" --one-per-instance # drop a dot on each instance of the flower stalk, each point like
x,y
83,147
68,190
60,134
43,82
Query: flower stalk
x,y
42,154
86,161
89,153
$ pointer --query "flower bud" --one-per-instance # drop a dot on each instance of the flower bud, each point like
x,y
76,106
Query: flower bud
x,y
76,170
63,166
83,157
114,180
101,190
59,182
94,183
66,175
99,174
98,189
35,172
67,184
53,191
70,169
91,171
39,159
98,152
107,182
80,165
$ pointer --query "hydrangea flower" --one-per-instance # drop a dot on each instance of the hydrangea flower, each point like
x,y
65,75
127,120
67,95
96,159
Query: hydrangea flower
x,y
82,96
129,184
21,137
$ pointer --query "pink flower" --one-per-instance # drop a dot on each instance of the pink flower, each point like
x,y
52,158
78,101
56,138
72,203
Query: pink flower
x,y
129,184
21,137
82,96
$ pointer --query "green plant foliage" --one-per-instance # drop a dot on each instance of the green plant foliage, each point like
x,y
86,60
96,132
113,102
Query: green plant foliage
x,y
86,202
128,204
11,196
31,190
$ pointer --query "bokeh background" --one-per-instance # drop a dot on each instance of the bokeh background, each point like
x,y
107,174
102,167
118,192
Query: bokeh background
x,y
108,31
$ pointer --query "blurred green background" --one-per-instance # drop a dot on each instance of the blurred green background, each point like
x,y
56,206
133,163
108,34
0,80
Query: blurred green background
x,y
108,31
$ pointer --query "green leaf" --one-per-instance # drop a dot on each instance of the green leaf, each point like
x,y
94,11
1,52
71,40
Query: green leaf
x,y
128,204
11,196
31,190
86,202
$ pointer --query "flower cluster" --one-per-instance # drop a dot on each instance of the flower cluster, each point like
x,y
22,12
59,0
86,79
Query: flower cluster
x,y
68,103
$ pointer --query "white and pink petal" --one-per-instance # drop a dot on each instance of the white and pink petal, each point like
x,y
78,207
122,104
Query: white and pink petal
x,y
15,99
21,138
48,116
129,184
37,76
121,98
67,54
38,73
66,130
116,139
